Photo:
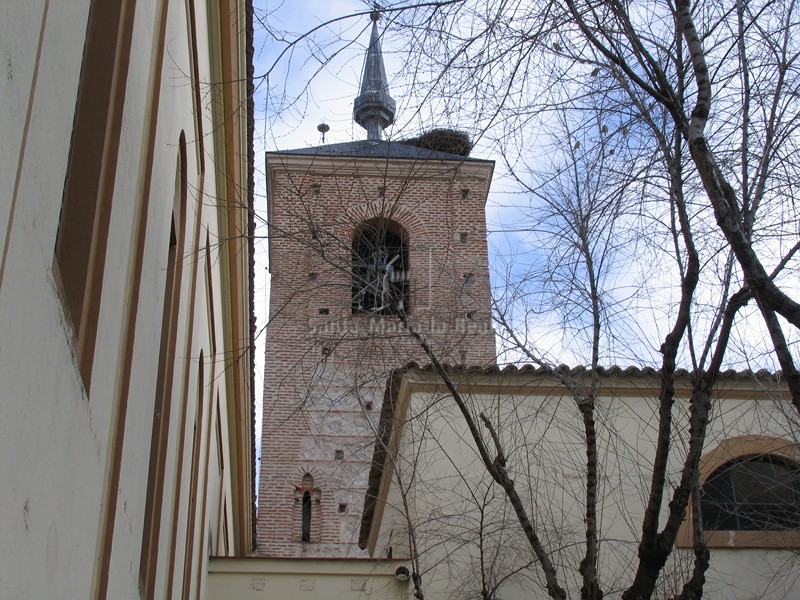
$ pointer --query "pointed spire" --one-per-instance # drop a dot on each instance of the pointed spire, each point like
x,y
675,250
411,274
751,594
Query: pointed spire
x,y
374,108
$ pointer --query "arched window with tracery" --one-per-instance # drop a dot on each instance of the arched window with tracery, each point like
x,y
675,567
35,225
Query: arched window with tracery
x,y
749,495
753,493
380,268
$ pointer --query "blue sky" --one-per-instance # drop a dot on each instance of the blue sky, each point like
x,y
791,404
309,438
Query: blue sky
x,y
292,98
317,80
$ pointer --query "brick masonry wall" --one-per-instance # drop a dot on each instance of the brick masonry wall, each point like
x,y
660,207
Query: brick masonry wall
x,y
326,368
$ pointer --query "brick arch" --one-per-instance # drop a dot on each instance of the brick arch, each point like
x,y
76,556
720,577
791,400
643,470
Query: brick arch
x,y
747,445
392,225
727,450
354,216
300,474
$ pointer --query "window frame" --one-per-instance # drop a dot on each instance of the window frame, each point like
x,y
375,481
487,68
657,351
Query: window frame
x,y
306,496
728,493
79,254
728,451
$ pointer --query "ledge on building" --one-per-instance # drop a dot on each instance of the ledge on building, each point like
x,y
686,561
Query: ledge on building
x,y
252,577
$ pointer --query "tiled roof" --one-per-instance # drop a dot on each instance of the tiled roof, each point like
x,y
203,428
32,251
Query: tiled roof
x,y
612,371
378,149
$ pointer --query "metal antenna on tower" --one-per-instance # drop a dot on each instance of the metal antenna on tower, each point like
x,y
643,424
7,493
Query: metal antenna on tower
x,y
323,128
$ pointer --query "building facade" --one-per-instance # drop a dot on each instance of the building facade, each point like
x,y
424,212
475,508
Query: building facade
x,y
432,501
126,445
369,241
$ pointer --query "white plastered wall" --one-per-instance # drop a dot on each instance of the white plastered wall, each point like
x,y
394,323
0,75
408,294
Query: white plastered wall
x,y
55,442
545,454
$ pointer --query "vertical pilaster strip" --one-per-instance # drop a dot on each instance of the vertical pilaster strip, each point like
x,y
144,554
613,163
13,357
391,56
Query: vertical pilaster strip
x,y
122,391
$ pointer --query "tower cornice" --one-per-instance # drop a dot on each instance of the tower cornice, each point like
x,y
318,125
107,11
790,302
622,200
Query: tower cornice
x,y
393,167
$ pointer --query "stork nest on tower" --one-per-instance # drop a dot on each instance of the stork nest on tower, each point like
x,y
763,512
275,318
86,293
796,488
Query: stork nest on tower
x,y
443,140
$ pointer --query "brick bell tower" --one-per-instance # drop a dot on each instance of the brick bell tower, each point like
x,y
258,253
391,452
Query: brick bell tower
x,y
364,238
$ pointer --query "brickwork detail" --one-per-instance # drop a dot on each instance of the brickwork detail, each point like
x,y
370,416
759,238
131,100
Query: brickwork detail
x,y
326,368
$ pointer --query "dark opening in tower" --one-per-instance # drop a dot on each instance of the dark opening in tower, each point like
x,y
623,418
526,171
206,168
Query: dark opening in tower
x,y
305,533
380,268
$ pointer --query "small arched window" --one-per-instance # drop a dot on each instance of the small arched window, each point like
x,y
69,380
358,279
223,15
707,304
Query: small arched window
x,y
380,269
755,493
305,533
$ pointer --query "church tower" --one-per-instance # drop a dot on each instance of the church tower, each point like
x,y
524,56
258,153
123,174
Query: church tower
x,y
366,239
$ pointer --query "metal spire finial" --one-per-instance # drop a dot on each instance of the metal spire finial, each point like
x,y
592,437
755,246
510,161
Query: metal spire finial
x,y
374,108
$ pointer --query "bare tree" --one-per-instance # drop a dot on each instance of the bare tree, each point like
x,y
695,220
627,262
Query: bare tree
x,y
655,148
